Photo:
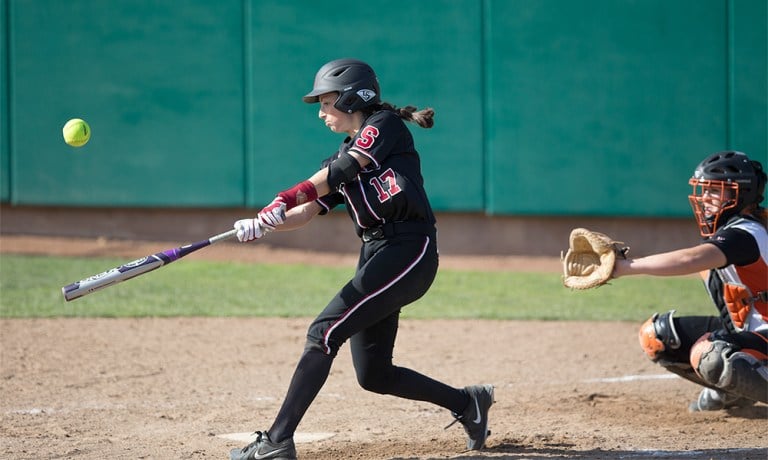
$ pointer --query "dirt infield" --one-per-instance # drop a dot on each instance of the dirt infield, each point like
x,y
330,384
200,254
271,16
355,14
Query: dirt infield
x,y
174,387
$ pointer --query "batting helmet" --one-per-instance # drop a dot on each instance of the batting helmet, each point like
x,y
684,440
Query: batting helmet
x,y
354,80
739,181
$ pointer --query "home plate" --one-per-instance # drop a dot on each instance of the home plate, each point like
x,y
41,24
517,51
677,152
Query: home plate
x,y
298,438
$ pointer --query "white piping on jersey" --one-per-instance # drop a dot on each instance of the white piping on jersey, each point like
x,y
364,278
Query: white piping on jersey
x,y
367,204
343,190
374,294
366,155
323,205
355,212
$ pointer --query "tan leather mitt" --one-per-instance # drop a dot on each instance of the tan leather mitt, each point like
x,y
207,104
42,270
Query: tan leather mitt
x,y
590,259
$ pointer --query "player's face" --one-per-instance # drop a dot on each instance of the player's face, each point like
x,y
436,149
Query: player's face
x,y
336,120
709,200
712,198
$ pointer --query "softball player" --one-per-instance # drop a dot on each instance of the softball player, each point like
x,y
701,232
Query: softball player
x,y
376,173
728,353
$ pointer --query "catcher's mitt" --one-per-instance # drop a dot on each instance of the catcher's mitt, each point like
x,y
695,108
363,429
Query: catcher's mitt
x,y
590,259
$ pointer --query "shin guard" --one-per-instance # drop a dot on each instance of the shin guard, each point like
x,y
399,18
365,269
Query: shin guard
x,y
720,364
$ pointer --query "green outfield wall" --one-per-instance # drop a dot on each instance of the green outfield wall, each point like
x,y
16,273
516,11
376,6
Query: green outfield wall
x,y
543,107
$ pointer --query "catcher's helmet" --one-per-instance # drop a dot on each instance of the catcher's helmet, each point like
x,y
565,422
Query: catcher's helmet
x,y
731,176
354,80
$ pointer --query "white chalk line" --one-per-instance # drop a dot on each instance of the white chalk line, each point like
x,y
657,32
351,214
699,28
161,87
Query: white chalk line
x,y
298,438
631,378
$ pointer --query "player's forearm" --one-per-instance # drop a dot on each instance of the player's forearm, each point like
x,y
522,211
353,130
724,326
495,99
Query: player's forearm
x,y
320,181
674,263
299,216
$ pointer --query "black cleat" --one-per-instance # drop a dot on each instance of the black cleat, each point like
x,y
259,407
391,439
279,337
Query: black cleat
x,y
475,416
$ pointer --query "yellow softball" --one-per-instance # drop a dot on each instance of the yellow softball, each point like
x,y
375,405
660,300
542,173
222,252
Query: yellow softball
x,y
76,132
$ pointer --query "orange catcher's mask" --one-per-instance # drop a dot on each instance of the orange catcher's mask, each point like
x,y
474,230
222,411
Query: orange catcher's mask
x,y
711,200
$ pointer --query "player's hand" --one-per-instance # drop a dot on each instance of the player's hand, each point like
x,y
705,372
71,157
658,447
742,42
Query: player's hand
x,y
273,214
249,229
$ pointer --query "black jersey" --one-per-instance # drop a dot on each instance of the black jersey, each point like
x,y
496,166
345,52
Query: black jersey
x,y
390,188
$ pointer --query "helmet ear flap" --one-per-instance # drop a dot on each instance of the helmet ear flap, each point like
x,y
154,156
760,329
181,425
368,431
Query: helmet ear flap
x,y
346,101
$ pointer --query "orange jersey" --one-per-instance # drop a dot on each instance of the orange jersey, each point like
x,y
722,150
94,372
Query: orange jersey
x,y
740,291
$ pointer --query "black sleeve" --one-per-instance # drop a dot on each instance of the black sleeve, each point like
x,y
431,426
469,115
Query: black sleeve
x,y
334,198
379,137
329,202
739,246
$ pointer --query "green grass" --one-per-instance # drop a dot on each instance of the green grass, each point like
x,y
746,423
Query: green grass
x,y
30,286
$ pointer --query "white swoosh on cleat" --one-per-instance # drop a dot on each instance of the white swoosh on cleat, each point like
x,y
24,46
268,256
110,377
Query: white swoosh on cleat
x,y
477,408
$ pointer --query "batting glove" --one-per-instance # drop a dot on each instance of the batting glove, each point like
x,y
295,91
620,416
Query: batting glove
x,y
248,229
273,214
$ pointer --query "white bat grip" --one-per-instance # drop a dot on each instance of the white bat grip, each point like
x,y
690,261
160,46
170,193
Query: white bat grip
x,y
223,236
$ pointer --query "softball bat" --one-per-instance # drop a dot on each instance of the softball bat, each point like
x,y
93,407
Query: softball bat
x,y
137,267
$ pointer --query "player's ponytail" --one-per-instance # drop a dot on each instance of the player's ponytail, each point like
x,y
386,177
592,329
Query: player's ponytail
x,y
424,117
760,213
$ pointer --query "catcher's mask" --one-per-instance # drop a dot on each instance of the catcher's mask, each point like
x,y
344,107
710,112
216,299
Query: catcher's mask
x,y
724,184
354,80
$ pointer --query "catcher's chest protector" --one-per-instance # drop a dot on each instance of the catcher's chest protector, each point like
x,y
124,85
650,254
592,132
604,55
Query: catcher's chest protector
x,y
741,292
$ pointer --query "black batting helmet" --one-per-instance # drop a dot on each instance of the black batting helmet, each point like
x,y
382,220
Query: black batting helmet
x,y
354,80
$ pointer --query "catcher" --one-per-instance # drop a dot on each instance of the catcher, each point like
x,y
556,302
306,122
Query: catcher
x,y
727,354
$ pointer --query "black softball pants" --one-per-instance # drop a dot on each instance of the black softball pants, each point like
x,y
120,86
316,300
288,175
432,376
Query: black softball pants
x,y
391,274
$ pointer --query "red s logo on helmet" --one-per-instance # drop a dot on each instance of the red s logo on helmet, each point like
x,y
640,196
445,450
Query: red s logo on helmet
x,y
367,136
